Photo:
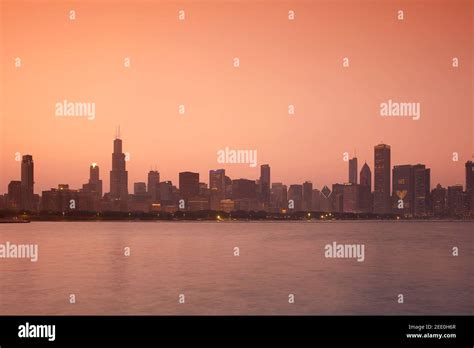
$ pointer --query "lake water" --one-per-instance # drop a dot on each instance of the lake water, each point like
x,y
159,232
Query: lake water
x,y
276,259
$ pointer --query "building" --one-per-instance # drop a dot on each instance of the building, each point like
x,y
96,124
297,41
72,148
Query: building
x,y
421,177
63,199
14,195
325,202
353,170
307,196
350,198
95,184
382,201
244,188
403,190
438,196
265,184
365,198
27,183
278,197
455,200
295,197
188,184
139,189
336,198
470,186
153,187
118,174
316,200
217,188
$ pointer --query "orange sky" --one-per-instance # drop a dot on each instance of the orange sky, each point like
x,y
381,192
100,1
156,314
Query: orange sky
x,y
191,62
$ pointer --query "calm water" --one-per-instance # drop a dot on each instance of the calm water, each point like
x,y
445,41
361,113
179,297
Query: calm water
x,y
276,259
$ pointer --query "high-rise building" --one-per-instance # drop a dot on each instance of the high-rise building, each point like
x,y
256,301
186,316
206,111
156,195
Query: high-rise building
x,y
278,197
316,200
421,178
154,185
366,177
470,186
166,193
217,188
365,198
244,188
14,195
307,196
295,197
139,189
95,184
382,179
265,184
439,200
403,189
353,170
351,198
188,184
455,200
118,174
27,183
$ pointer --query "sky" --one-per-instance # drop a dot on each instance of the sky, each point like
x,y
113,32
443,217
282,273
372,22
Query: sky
x,y
190,62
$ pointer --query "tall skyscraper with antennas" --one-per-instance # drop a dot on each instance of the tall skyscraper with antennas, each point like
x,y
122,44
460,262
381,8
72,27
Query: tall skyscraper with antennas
x,y
118,174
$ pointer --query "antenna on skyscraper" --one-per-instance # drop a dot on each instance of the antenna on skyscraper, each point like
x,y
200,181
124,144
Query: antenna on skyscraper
x,y
119,131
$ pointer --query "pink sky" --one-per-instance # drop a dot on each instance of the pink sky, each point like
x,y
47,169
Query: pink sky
x,y
191,62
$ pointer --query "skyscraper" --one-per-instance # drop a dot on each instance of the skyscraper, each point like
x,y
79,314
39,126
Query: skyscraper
x,y
366,177
153,185
403,187
470,185
307,196
421,178
295,196
353,170
439,200
216,187
382,179
188,184
118,174
265,184
27,182
94,184
365,203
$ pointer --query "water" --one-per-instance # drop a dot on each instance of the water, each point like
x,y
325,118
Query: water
x,y
276,259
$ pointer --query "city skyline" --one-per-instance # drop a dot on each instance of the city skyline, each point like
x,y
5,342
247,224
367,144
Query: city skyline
x,y
190,63
399,189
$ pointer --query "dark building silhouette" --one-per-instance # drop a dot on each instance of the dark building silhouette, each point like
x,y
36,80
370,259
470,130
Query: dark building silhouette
x,y
118,174
337,198
382,179
188,184
217,188
470,186
14,195
455,200
307,196
351,198
265,184
365,198
366,177
421,176
438,196
403,189
153,186
27,183
353,170
139,189
244,188
95,184
278,197
295,194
